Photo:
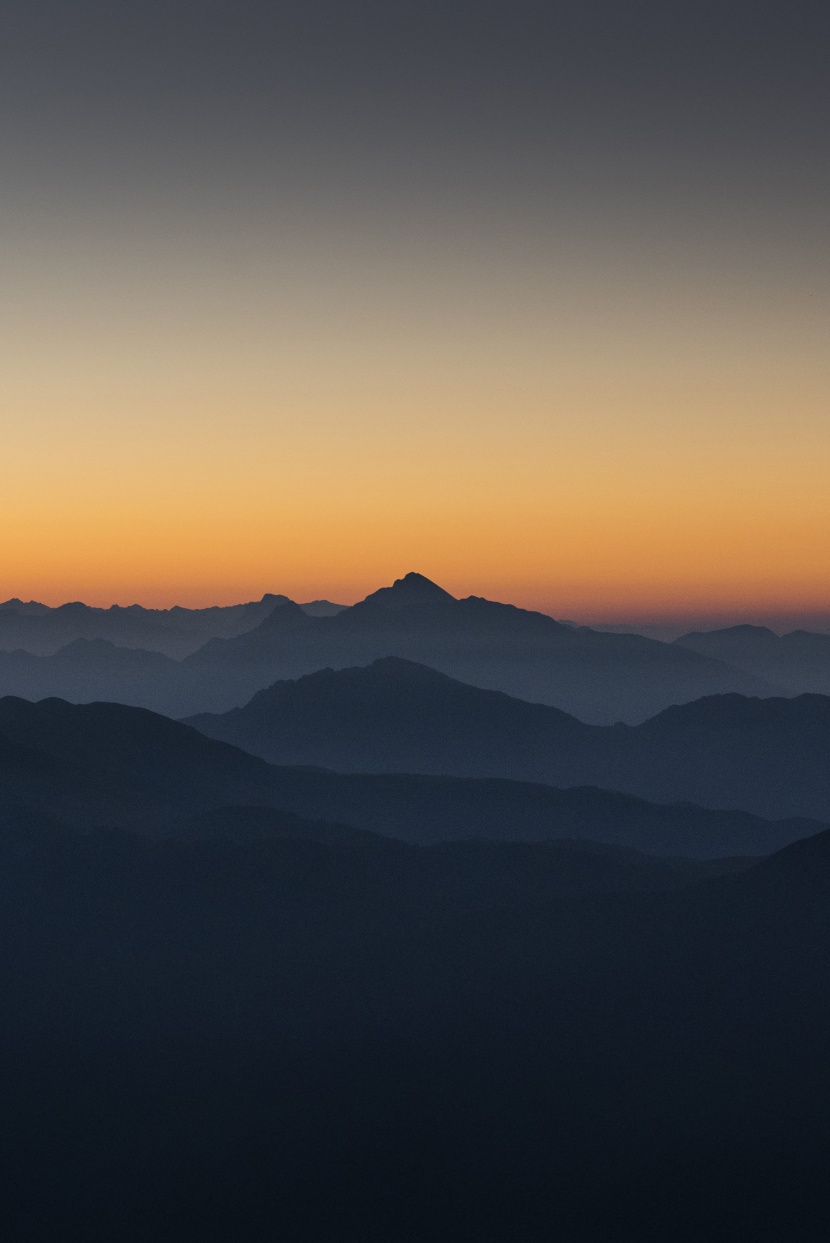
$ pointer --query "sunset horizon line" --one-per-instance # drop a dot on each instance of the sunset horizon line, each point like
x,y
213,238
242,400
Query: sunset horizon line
x,y
775,615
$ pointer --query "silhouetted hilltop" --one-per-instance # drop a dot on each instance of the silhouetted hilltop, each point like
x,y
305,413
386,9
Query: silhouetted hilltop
x,y
23,608
767,756
799,662
121,767
322,608
407,592
397,716
255,645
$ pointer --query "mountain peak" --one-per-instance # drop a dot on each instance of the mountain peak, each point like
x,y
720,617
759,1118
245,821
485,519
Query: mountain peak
x,y
286,615
411,589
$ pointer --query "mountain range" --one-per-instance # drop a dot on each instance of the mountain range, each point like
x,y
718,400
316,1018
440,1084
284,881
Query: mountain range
x,y
42,631
767,756
256,1000
117,767
799,661
318,1034
598,677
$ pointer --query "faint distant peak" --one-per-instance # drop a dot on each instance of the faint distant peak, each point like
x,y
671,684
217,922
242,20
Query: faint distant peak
x,y
286,614
396,669
411,589
76,608
322,608
745,630
24,607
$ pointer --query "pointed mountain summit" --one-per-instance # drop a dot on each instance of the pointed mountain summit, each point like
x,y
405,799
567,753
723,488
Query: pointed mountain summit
x,y
252,645
412,589
25,608
601,678
286,615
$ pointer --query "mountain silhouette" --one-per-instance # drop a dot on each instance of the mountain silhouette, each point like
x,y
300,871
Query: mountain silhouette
x,y
767,756
356,1038
496,646
42,631
322,608
597,677
254,646
799,661
86,670
407,592
114,766
394,1005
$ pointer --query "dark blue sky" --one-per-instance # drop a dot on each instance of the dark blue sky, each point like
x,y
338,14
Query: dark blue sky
x,y
700,85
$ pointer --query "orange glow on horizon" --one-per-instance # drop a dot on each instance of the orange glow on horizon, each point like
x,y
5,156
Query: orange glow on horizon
x,y
572,430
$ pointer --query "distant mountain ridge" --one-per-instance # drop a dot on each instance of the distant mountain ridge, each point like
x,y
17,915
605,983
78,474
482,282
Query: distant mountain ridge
x,y
42,631
598,677
798,661
486,643
768,756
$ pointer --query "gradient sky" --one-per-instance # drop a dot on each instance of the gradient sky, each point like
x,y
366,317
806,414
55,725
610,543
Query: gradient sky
x,y
532,298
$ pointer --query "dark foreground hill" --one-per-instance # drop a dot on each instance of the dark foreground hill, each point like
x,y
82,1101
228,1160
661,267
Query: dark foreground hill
x,y
596,676
304,1039
118,767
768,756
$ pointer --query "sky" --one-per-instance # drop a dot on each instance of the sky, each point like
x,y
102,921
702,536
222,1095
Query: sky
x,y
531,298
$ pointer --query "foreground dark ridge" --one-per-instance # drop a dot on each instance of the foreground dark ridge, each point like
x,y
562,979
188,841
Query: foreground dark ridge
x,y
596,676
116,766
767,756
311,1037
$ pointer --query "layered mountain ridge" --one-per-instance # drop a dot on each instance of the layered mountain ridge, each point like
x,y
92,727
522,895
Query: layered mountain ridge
x,y
255,1000
596,676
112,766
767,756
798,661
42,631
303,1024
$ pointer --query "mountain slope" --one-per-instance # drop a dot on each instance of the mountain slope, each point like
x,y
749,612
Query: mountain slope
x,y
767,756
597,677
43,631
317,1040
798,661
121,767
601,677
398,716
93,669
175,632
